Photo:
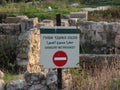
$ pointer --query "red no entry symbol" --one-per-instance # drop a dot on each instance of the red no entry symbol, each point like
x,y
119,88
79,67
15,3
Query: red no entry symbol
x,y
60,58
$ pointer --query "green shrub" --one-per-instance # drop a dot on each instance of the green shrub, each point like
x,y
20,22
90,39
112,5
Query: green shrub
x,y
8,56
9,76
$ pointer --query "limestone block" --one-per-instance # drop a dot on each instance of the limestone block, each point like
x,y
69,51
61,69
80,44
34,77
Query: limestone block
x,y
27,24
51,78
48,22
117,39
64,22
22,17
33,78
73,21
79,15
113,26
98,26
16,19
2,84
1,74
15,85
85,26
12,20
41,24
22,62
116,27
10,29
117,51
38,87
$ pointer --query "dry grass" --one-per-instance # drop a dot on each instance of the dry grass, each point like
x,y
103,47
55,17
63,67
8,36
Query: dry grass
x,y
97,76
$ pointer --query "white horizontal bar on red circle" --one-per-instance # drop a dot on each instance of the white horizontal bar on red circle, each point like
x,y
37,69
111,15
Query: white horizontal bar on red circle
x,y
60,58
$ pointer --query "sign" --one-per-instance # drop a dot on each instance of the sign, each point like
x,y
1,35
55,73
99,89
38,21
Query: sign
x,y
59,47
60,58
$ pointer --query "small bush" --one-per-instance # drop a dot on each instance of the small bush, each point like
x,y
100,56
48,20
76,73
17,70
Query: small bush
x,y
8,56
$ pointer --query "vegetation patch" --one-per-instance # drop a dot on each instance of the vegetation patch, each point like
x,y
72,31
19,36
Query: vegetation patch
x,y
110,15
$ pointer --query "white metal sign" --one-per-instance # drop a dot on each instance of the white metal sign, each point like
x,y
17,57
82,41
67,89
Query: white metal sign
x,y
59,50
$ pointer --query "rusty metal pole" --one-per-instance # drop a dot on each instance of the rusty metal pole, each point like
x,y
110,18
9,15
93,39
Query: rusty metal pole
x,y
59,70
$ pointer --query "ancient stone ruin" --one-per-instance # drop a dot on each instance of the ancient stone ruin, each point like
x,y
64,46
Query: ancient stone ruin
x,y
97,37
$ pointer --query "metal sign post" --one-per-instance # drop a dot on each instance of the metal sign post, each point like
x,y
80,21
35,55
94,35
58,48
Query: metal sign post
x,y
59,70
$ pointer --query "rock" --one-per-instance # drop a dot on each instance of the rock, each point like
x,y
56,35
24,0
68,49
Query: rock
x,y
51,80
41,24
33,78
10,29
15,85
2,84
48,22
64,22
74,4
80,15
27,24
117,41
15,19
51,77
22,17
73,21
35,81
38,87
1,74
12,20
49,8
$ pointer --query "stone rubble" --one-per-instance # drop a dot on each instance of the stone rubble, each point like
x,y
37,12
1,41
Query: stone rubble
x,y
34,81
15,85
48,81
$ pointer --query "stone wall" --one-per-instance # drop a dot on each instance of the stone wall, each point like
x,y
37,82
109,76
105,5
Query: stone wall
x,y
29,50
98,37
13,28
27,24
10,29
